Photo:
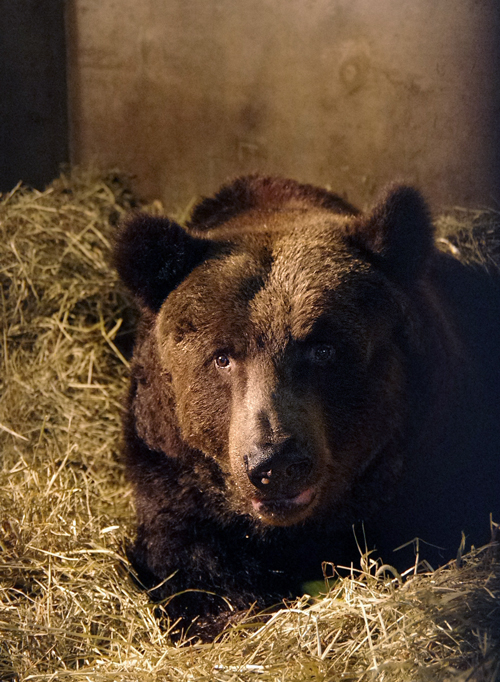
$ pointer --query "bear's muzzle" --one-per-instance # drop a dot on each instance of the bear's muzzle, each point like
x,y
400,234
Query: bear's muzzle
x,y
280,475
278,469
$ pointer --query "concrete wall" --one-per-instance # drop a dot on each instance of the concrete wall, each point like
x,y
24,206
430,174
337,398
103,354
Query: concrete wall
x,y
344,93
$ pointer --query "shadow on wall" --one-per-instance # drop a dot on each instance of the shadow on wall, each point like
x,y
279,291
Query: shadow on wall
x,y
33,102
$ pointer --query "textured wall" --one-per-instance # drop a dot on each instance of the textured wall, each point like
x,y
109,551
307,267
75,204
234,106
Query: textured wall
x,y
345,93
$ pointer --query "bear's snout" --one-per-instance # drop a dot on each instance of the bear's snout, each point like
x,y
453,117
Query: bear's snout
x,y
278,469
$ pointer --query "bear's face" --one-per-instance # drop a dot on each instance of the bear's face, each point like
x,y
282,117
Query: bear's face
x,y
284,346
286,367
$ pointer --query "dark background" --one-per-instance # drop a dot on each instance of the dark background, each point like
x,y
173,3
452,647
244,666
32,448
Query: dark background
x,y
34,134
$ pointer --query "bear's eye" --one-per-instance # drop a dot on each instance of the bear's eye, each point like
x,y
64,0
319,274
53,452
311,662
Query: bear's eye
x,y
322,353
222,361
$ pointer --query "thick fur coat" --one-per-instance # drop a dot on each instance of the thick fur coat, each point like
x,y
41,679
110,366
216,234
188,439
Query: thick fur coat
x,y
301,368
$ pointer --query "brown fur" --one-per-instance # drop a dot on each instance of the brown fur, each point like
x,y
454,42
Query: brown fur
x,y
300,367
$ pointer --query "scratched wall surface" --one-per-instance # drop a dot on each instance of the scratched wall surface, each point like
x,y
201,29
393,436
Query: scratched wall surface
x,y
345,93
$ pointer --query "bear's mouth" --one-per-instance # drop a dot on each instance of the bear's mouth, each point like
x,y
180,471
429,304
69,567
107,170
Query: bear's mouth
x,y
279,509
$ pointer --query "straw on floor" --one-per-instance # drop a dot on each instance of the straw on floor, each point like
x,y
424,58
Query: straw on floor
x,y
68,607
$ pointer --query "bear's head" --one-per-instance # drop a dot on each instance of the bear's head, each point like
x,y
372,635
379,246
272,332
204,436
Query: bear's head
x,y
285,329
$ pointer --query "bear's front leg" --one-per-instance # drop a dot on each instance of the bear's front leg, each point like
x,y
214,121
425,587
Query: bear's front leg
x,y
191,552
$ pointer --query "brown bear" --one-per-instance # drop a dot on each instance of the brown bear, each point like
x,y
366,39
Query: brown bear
x,y
301,368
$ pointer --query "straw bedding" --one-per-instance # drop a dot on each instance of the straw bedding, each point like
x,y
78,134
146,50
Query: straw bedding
x,y
69,609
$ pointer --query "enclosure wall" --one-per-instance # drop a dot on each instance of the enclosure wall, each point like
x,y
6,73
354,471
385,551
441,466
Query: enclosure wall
x,y
345,93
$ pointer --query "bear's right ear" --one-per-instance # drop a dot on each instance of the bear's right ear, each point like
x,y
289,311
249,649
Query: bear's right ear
x,y
153,255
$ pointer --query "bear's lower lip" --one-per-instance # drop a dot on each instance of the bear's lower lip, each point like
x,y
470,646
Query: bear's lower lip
x,y
283,505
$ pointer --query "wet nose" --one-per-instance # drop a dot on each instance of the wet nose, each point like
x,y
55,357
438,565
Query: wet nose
x,y
277,466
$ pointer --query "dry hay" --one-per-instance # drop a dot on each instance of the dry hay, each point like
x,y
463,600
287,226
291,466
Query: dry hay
x,y
472,236
68,608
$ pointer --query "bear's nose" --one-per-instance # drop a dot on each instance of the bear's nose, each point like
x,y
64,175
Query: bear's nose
x,y
278,466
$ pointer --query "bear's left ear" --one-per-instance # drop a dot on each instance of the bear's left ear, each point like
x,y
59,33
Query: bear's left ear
x,y
153,255
400,233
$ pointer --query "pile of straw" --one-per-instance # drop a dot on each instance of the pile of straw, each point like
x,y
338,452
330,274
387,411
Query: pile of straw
x,y
68,608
